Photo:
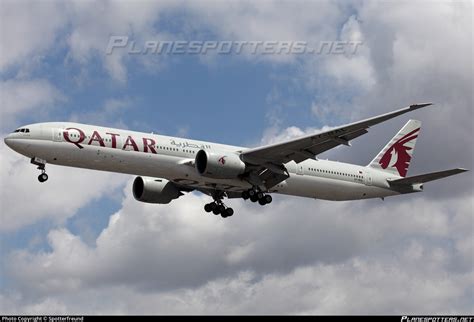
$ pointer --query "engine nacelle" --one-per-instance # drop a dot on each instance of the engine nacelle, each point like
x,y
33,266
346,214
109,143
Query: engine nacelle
x,y
154,190
219,165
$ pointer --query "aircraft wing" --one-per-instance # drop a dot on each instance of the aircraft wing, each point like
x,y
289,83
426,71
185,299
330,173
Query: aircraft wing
x,y
275,155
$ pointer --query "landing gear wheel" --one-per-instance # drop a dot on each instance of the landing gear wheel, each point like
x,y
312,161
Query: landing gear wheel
x,y
262,202
268,199
254,198
245,195
42,177
260,195
252,193
229,212
221,209
208,207
218,209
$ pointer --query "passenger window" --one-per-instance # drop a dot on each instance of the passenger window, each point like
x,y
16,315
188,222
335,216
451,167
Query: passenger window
x,y
27,130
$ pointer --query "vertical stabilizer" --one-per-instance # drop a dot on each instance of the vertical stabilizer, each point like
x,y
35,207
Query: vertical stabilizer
x,y
395,157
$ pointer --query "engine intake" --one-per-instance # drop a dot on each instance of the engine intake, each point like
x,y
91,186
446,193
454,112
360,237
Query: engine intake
x,y
154,190
219,165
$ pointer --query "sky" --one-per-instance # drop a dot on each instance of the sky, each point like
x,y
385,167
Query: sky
x,y
81,244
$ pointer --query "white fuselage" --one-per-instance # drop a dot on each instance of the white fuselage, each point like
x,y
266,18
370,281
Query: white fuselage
x,y
152,155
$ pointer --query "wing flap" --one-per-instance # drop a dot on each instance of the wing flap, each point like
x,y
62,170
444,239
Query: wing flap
x,y
271,179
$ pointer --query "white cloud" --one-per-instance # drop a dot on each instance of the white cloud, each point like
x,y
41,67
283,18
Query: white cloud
x,y
418,60
27,29
32,30
353,69
112,113
267,20
19,97
350,258
75,187
93,24
274,135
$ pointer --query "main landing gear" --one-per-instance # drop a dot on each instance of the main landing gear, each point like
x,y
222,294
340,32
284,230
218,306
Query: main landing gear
x,y
255,194
217,207
41,166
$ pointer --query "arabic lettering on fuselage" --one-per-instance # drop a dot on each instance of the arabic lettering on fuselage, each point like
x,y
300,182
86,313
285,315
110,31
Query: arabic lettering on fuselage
x,y
79,138
186,144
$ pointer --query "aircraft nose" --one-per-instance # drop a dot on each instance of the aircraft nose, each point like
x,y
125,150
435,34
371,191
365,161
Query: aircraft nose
x,y
7,141
20,145
10,142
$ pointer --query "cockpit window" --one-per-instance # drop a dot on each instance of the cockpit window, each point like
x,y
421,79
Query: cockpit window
x,y
22,131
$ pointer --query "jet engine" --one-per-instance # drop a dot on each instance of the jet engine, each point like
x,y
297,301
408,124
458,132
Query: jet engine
x,y
154,190
219,165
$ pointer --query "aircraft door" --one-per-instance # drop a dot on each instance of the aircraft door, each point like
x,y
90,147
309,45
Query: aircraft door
x,y
57,135
367,179
299,169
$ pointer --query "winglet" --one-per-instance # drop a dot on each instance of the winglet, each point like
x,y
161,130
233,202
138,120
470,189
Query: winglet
x,y
419,105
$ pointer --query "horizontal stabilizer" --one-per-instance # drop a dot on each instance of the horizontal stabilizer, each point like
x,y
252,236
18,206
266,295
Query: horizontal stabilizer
x,y
422,178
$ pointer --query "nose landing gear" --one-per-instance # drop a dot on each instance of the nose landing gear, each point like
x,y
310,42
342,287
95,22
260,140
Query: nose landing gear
x,y
41,166
42,177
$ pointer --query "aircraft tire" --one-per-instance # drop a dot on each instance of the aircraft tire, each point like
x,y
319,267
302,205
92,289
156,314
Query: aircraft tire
x,y
208,207
43,177
268,199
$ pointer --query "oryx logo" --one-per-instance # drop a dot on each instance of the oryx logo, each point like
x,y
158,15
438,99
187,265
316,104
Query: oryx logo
x,y
221,160
399,155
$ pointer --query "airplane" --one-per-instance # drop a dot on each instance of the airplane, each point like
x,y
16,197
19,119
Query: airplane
x,y
167,167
